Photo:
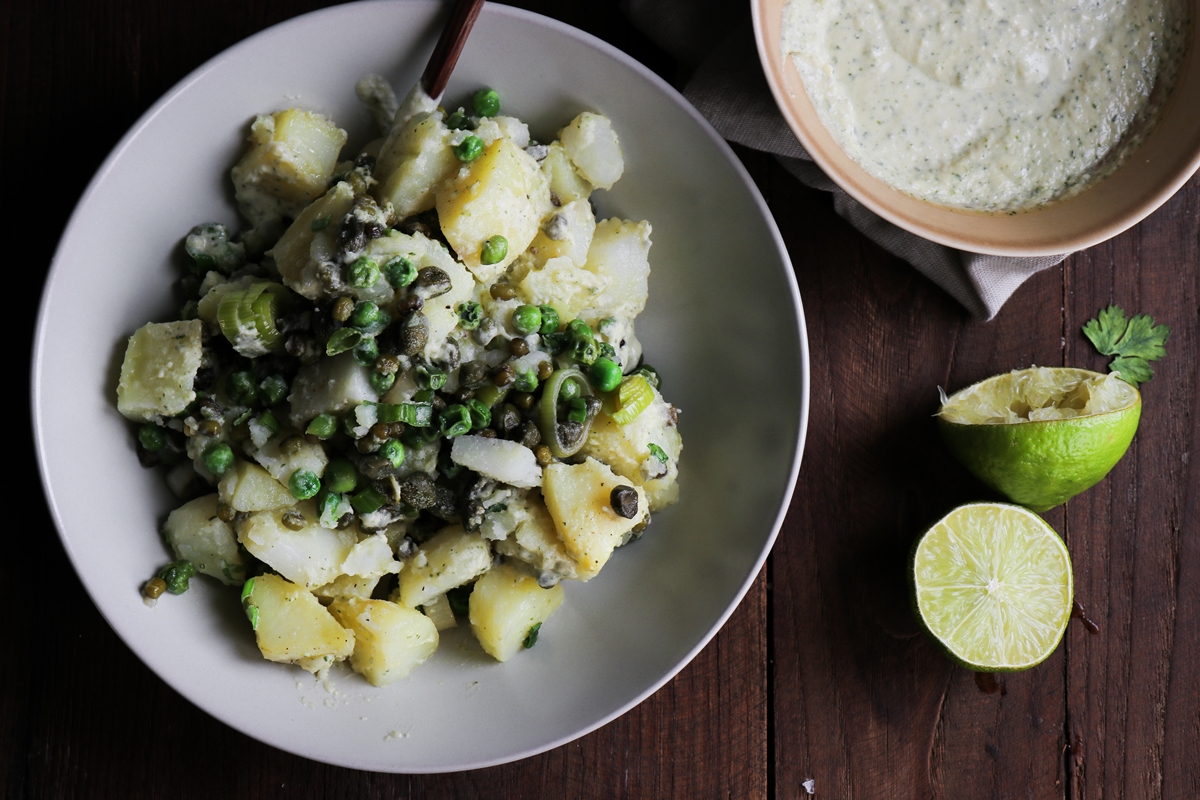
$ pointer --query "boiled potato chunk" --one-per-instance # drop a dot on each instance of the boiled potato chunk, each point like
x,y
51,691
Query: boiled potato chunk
x,y
249,487
440,311
292,625
439,612
620,253
591,143
506,604
448,560
563,285
286,453
329,386
312,556
566,233
197,534
566,184
415,157
626,448
536,542
159,369
291,161
347,586
578,499
499,459
390,640
296,251
501,193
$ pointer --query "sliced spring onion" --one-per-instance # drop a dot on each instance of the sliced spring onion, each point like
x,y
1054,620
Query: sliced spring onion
x,y
418,415
553,432
247,318
633,397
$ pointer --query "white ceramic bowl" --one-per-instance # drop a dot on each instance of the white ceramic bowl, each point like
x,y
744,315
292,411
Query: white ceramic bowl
x,y
724,326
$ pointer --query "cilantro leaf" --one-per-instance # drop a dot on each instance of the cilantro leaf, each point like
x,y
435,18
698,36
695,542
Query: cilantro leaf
x,y
1134,342
1106,330
1144,339
1133,370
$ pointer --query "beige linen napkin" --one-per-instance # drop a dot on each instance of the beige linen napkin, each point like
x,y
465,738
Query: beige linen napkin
x,y
716,39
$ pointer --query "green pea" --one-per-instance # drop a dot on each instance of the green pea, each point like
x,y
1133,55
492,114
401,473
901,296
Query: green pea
x,y
470,314
366,351
605,374
577,411
469,149
364,314
525,381
341,476
527,319
399,272
579,330
494,250
364,272
322,426
393,451
550,320
176,576
217,458
274,389
569,390
381,381
486,103
458,121
304,484
152,438
327,503
584,351
607,350
241,388
268,421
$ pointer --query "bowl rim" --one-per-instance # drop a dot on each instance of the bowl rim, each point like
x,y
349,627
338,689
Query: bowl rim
x,y
792,100
54,278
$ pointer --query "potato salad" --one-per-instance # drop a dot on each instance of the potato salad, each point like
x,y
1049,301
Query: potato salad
x,y
407,394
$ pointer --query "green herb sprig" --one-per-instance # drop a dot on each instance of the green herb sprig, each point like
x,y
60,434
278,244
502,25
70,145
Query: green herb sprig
x,y
1133,342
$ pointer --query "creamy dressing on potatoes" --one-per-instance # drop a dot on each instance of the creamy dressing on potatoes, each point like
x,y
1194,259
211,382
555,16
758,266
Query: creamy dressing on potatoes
x,y
987,104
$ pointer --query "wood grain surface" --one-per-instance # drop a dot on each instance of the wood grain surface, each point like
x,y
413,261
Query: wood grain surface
x,y
821,673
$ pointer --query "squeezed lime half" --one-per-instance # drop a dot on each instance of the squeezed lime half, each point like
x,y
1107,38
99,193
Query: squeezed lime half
x,y
1041,435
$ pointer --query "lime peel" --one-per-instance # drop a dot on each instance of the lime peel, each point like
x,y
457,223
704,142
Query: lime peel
x,y
1043,435
992,583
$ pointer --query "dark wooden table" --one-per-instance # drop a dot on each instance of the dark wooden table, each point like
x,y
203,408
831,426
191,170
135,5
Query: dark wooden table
x,y
820,674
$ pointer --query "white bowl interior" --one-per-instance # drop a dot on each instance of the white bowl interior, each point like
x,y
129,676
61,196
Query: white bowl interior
x,y
724,327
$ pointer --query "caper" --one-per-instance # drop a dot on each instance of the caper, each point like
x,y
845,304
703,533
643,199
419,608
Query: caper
x,y
226,512
504,376
294,520
431,282
531,437
154,588
522,400
387,364
543,454
624,501
545,370
210,427
503,291
342,308
518,347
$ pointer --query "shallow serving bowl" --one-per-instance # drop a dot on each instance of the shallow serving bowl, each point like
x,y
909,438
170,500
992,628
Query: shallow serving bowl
x,y
1154,172
724,318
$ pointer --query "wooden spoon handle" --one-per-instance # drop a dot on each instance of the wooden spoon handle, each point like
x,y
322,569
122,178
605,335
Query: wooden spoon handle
x,y
449,46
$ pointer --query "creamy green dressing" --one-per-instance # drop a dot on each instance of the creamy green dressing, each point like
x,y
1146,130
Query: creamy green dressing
x,y
995,105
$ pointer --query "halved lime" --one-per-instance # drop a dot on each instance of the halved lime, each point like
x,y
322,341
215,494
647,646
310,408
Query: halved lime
x,y
1041,435
993,585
